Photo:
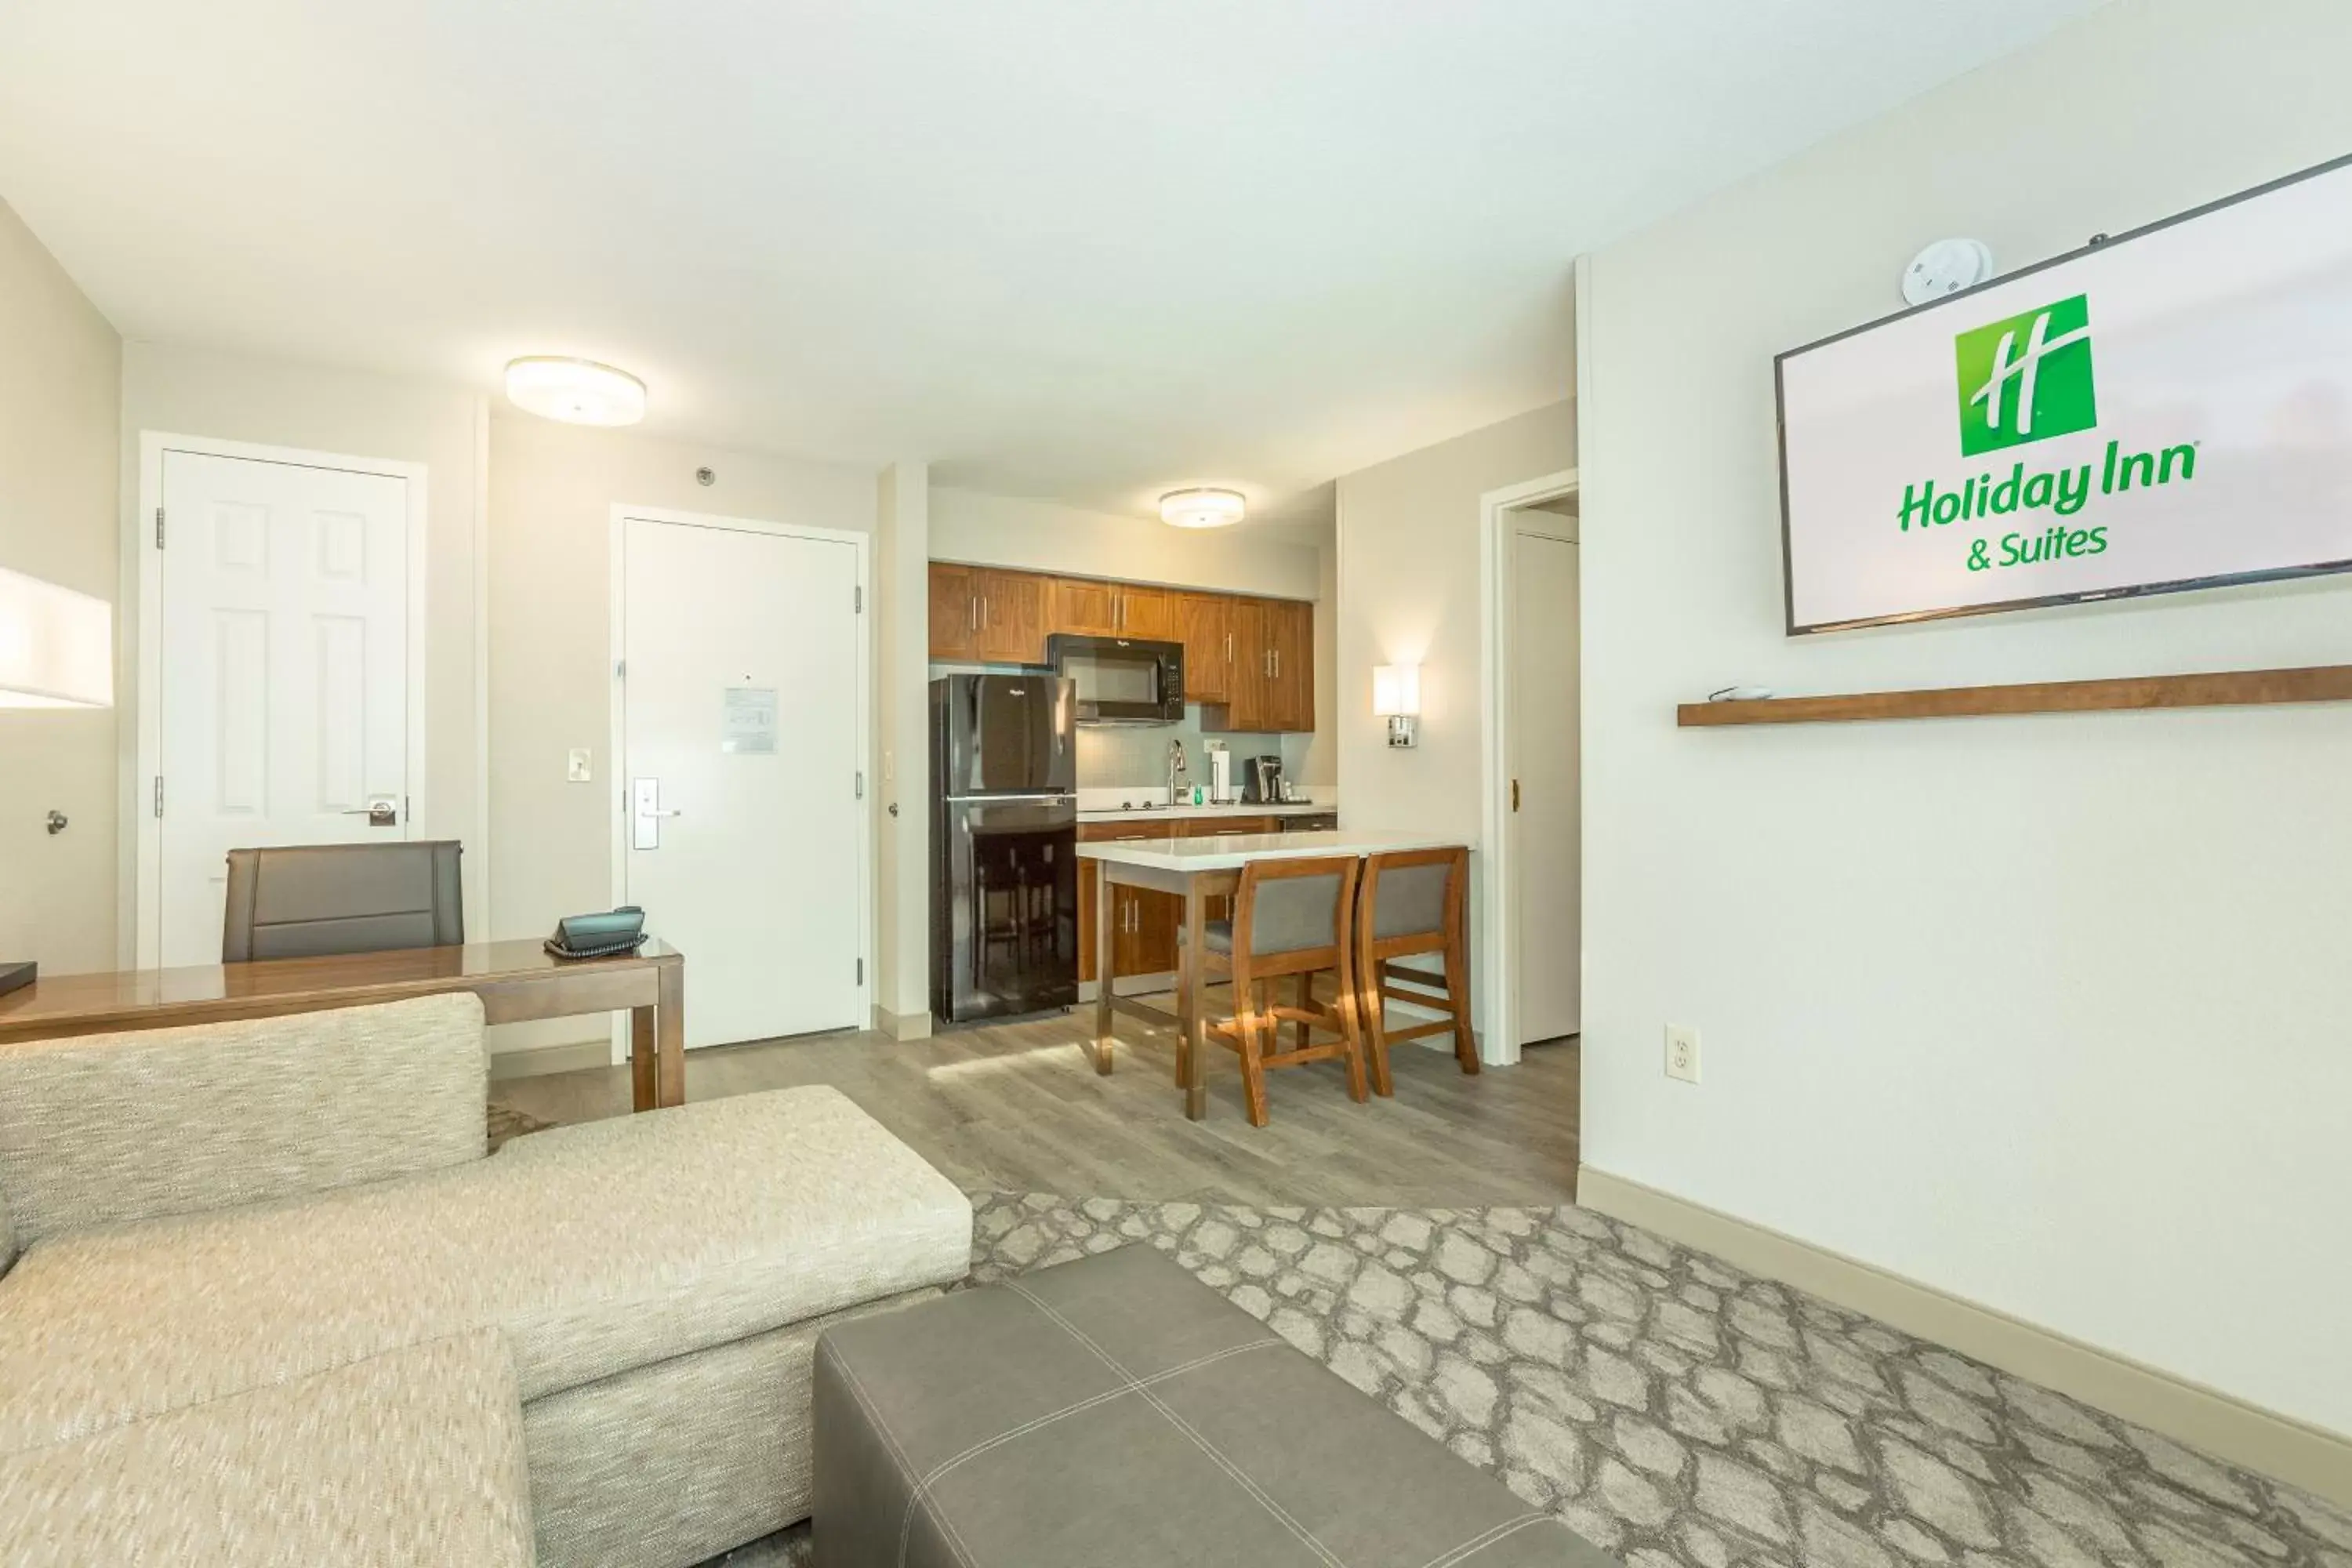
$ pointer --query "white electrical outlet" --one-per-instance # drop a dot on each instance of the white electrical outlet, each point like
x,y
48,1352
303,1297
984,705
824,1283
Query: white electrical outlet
x,y
576,770
1682,1053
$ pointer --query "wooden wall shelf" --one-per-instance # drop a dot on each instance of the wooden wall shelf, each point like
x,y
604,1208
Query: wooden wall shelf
x,y
2225,689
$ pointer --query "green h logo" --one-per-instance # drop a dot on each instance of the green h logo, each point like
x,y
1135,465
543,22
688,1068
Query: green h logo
x,y
2026,378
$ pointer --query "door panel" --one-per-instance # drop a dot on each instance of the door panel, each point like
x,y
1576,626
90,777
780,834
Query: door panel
x,y
1149,613
1084,608
1202,629
1546,832
1123,909
955,614
284,699
1012,616
1290,688
1246,678
761,879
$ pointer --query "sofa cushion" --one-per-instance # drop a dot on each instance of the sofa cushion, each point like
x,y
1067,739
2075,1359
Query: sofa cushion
x,y
104,1129
596,1248
408,1458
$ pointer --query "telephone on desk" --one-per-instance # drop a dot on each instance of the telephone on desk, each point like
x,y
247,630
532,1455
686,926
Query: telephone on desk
x,y
599,936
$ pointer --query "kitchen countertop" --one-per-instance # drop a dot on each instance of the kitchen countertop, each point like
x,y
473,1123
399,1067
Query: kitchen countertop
x,y
1231,851
1189,813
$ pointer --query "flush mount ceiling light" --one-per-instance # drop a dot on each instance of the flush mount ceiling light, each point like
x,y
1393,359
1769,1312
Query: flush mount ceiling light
x,y
576,391
1202,508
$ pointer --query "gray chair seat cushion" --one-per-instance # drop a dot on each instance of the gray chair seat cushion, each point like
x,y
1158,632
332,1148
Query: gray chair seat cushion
x,y
1116,1410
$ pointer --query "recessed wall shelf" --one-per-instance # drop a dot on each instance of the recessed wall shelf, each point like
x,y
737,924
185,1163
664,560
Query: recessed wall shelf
x,y
2222,688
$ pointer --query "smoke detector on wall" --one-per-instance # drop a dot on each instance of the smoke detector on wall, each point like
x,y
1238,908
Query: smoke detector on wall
x,y
1944,267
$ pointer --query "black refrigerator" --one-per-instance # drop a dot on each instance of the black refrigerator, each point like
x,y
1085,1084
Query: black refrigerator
x,y
1004,839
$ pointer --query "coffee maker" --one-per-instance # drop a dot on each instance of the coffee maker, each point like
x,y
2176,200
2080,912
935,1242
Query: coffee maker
x,y
1261,780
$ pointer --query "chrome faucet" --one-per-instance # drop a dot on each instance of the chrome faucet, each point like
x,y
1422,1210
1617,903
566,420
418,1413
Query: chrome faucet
x,y
1175,769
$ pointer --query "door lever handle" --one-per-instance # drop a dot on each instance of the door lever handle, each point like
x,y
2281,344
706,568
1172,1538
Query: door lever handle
x,y
379,813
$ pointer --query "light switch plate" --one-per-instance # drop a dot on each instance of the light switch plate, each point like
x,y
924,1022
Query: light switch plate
x,y
576,770
1682,1053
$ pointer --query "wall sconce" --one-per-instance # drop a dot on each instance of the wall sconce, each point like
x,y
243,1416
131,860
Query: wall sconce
x,y
1396,696
57,647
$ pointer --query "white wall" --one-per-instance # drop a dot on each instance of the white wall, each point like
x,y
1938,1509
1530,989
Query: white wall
x,y
196,392
552,488
1040,536
60,400
2050,1013
1409,594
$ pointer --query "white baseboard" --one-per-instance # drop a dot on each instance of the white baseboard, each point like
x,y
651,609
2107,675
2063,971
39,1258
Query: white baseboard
x,y
903,1025
2220,1424
534,1061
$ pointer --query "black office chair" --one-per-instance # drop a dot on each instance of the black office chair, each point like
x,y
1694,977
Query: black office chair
x,y
312,900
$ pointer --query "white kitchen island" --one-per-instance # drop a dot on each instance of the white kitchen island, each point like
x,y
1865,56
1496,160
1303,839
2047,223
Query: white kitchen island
x,y
1196,870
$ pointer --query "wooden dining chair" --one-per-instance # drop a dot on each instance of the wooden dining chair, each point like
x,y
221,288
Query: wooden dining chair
x,y
1413,901
1290,919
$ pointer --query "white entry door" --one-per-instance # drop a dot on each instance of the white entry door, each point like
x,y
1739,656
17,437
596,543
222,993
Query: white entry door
x,y
742,744
1547,872
284,663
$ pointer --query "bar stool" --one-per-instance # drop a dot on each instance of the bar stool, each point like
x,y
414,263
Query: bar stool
x,y
1414,901
1290,918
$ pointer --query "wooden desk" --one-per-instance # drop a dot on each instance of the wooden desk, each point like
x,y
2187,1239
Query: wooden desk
x,y
1195,870
516,981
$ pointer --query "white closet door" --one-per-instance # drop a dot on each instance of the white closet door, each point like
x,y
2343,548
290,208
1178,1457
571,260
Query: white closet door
x,y
284,701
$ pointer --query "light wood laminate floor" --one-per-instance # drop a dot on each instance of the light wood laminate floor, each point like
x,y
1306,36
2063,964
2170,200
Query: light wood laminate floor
x,y
1016,1107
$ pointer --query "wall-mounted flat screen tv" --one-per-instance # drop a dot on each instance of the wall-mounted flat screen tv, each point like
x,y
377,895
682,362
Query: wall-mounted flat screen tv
x,y
2168,409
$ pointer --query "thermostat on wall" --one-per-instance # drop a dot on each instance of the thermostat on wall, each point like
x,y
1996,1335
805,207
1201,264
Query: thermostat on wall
x,y
1944,267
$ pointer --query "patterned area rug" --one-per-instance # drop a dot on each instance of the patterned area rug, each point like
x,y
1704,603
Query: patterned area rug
x,y
1680,1414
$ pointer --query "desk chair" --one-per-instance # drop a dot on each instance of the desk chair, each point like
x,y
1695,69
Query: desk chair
x,y
312,900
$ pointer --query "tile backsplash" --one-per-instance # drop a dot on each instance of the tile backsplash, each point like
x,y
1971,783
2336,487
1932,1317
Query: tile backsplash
x,y
1114,754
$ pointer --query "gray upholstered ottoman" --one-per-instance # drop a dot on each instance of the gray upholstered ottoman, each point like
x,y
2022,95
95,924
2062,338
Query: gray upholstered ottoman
x,y
1115,1411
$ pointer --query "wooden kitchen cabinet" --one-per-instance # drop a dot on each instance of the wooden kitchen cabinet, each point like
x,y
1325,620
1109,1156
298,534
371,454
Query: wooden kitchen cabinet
x,y
1204,628
1290,688
1085,607
1245,678
955,614
1153,612
1143,923
1270,681
1082,607
1013,616
1252,659
981,615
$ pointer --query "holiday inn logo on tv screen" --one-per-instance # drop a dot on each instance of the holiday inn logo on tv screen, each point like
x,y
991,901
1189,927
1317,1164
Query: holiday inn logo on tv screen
x,y
2022,380
2027,378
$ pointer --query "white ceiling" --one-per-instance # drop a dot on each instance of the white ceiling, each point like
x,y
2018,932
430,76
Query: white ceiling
x,y
1085,249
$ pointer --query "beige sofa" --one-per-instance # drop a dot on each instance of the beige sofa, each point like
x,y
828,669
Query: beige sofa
x,y
263,1286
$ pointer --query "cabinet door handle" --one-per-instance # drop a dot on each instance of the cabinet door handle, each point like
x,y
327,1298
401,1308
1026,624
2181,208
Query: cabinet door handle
x,y
1229,647
972,614
1277,663
987,611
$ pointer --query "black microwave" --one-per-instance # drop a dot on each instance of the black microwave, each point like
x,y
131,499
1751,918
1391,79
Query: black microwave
x,y
1122,680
